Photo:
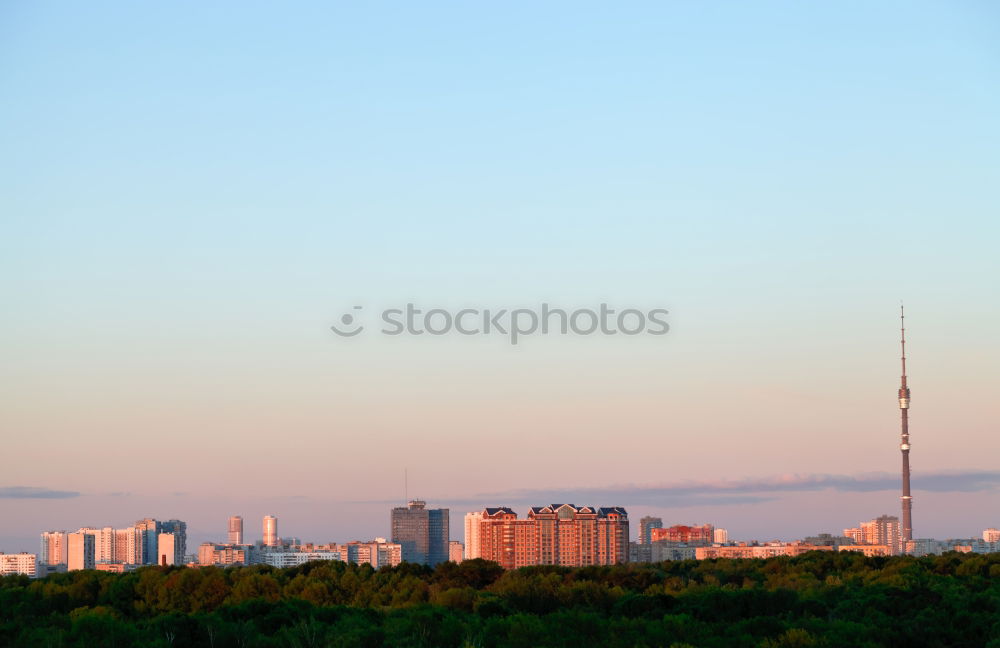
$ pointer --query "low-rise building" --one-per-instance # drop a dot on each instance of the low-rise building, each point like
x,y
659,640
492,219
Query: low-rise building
x,y
285,559
767,550
114,568
19,563
926,547
974,545
659,552
700,535
225,555
868,549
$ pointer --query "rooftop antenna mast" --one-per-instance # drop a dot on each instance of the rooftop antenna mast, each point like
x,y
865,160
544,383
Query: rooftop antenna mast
x,y
904,445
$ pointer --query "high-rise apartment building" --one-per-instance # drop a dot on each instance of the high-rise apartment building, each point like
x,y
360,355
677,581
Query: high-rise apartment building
x,y
472,521
270,531
720,536
235,530
104,543
991,535
168,546
422,533
179,530
647,524
679,533
19,563
129,546
79,551
150,530
559,534
54,548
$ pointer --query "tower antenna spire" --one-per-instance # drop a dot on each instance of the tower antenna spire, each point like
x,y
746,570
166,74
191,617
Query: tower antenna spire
x,y
904,445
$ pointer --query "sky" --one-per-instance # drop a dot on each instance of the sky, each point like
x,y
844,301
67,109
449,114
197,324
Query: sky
x,y
191,194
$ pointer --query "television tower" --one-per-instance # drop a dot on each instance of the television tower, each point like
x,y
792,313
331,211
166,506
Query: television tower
x,y
904,445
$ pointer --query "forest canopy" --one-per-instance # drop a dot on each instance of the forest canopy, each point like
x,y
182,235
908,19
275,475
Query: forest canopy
x,y
817,599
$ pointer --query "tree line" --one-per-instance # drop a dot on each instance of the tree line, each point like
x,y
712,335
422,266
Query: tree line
x,y
817,599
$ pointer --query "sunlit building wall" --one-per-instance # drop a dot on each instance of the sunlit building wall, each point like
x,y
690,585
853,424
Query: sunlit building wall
x,y
472,521
235,536
53,548
22,563
79,551
270,531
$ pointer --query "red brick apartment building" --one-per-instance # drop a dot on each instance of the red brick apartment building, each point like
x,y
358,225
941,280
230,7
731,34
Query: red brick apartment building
x,y
692,535
558,534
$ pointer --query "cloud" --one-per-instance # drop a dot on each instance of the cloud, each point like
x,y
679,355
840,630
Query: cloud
x,y
33,492
754,490
751,490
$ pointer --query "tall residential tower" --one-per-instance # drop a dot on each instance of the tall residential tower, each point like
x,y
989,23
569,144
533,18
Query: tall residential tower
x,y
235,530
270,531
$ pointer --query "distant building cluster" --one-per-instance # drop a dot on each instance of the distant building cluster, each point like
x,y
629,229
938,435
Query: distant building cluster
x,y
276,551
883,530
558,534
147,542
879,537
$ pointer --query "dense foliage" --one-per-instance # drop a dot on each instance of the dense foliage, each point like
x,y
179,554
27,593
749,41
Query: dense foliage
x,y
818,599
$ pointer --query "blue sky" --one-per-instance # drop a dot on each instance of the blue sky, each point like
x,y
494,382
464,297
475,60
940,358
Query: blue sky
x,y
191,194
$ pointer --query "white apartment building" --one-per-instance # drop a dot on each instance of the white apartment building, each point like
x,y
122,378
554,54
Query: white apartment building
x,y
296,558
79,551
166,548
54,548
19,563
472,547
104,543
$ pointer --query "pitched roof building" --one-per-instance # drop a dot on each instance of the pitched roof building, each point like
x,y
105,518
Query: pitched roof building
x,y
558,534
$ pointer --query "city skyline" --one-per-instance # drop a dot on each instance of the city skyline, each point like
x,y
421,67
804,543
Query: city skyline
x,y
835,487
556,534
460,526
